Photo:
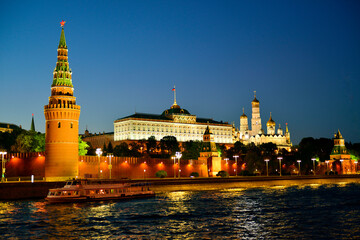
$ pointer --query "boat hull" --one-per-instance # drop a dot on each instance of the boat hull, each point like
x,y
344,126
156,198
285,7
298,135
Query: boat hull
x,y
93,199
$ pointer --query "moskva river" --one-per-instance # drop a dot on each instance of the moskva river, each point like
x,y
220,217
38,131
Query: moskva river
x,y
300,211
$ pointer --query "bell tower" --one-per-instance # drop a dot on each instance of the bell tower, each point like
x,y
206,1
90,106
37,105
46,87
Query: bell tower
x,y
62,121
255,119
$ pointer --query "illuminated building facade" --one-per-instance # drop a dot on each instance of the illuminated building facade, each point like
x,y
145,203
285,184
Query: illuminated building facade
x,y
8,127
340,158
176,121
62,121
257,135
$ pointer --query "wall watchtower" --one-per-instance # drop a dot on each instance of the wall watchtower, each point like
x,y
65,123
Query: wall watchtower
x,y
62,121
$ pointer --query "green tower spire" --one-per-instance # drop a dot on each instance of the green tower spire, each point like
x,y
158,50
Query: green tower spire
x,y
62,43
32,128
62,71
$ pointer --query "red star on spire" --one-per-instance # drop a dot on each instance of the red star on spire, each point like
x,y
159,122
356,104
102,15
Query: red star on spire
x,y
62,23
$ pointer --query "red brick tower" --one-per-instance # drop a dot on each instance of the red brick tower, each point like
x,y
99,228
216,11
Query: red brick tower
x,y
62,121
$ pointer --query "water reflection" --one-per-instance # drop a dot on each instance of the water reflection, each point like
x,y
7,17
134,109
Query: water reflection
x,y
277,211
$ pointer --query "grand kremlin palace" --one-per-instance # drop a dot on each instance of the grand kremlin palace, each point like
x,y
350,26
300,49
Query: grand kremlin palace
x,y
176,121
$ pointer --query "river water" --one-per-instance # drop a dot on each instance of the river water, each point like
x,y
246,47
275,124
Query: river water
x,y
272,211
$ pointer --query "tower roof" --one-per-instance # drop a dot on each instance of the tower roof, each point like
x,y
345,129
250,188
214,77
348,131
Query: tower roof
x,y
62,43
338,135
255,100
207,131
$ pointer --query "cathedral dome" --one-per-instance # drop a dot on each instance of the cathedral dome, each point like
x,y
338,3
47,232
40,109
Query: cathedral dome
x,y
271,122
243,116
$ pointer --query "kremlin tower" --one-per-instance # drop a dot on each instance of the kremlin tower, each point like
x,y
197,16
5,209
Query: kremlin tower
x,y
62,121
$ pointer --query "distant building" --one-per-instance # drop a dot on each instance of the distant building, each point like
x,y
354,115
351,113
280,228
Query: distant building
x,y
257,135
8,127
176,121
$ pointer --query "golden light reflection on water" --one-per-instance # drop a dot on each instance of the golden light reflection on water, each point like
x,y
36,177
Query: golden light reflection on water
x,y
6,207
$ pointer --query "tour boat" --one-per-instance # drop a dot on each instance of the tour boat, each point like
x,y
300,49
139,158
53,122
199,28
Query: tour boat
x,y
84,190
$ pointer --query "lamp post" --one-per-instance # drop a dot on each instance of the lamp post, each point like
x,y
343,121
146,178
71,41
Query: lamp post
x,y
356,162
174,158
314,159
2,152
280,158
144,173
327,165
110,155
236,165
299,161
267,166
98,153
178,156
341,166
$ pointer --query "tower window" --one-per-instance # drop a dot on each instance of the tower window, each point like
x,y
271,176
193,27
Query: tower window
x,y
48,125
71,125
59,124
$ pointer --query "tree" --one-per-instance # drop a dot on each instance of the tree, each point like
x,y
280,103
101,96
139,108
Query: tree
x,y
169,145
83,147
104,150
222,174
121,150
134,149
161,174
29,141
192,150
151,145
110,148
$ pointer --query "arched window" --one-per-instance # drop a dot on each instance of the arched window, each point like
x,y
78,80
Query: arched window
x,y
59,124
71,125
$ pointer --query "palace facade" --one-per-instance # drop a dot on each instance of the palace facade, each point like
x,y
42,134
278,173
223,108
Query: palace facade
x,y
175,121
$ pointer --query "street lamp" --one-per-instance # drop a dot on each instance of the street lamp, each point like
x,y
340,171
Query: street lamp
x,y
174,158
299,161
314,159
110,166
356,162
341,166
178,156
267,166
2,152
280,158
327,165
98,153
144,173
236,157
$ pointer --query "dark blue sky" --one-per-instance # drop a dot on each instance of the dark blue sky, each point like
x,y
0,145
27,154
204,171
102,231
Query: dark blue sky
x,y
302,58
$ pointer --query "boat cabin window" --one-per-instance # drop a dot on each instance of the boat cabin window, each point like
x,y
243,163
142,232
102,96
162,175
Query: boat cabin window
x,y
57,193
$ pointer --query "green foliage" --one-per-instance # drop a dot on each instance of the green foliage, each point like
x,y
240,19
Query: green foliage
x,y
110,148
121,150
223,174
169,145
151,145
192,149
40,142
161,174
194,174
83,147
29,141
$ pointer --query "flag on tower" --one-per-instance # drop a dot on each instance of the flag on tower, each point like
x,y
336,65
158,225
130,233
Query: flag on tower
x,y
173,89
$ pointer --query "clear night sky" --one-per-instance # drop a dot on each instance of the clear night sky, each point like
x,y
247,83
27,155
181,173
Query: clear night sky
x,y
302,58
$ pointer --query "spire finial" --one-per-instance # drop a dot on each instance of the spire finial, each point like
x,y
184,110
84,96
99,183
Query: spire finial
x,y
243,111
62,23
174,90
255,94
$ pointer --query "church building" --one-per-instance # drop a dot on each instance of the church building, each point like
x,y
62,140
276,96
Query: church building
x,y
257,134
